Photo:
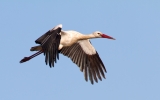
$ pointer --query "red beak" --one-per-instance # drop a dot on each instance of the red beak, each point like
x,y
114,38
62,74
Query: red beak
x,y
106,36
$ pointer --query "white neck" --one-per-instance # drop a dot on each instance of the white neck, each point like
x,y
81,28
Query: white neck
x,y
89,36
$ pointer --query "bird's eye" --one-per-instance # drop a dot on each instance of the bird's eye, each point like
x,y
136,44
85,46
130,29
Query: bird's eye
x,y
98,33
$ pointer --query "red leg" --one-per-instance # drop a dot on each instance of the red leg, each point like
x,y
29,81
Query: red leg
x,y
30,57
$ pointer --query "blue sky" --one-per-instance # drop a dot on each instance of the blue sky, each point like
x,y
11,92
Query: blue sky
x,y
132,60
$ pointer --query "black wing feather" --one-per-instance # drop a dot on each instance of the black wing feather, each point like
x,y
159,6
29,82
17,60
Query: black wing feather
x,y
50,42
91,65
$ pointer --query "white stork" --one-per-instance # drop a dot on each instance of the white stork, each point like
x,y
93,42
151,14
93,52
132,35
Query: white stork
x,y
74,45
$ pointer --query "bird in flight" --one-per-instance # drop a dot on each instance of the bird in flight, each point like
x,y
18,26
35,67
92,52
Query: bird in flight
x,y
74,45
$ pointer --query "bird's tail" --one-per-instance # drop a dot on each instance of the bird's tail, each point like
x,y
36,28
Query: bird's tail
x,y
36,48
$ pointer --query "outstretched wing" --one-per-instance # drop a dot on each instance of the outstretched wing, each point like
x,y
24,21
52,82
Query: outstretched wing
x,y
50,42
86,57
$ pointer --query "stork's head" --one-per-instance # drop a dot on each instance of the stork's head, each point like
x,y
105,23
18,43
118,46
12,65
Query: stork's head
x,y
98,34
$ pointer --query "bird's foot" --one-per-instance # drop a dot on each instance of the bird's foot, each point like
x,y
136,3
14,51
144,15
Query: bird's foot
x,y
25,59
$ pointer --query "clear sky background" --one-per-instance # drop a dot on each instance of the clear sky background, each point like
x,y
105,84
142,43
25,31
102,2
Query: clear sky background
x,y
132,60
